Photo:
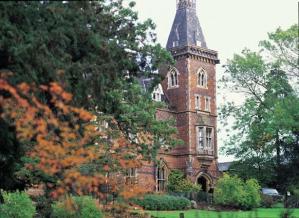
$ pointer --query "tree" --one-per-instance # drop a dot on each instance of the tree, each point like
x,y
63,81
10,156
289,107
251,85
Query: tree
x,y
265,136
233,192
65,147
95,50
57,139
283,46
91,46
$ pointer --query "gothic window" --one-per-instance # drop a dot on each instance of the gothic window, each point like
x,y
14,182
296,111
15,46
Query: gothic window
x,y
131,176
157,93
207,104
204,138
161,179
197,102
173,80
202,78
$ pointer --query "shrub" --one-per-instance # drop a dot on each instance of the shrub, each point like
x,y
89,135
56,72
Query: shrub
x,y
293,200
252,197
43,206
267,201
17,205
178,183
76,207
163,202
233,192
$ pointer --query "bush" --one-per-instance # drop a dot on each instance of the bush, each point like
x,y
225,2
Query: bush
x,y
43,206
293,200
17,205
252,197
76,207
233,192
178,183
163,202
267,201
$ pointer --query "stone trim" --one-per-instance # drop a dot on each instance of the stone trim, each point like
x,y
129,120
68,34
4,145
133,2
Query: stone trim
x,y
196,52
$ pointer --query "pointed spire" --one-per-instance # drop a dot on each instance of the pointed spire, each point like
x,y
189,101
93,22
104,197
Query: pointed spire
x,y
186,29
181,4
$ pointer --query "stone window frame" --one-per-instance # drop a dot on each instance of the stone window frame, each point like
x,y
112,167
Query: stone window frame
x,y
173,78
202,78
157,93
131,176
207,142
161,178
197,102
208,103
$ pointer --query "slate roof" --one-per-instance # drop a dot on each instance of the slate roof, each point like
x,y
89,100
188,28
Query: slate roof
x,y
223,167
186,29
146,83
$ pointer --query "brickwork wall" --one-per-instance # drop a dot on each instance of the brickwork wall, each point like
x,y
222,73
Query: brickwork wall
x,y
182,109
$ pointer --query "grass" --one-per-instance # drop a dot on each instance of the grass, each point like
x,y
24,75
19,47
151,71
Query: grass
x,y
258,213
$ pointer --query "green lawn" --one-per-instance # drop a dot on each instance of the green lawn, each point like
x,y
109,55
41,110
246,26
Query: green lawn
x,y
259,213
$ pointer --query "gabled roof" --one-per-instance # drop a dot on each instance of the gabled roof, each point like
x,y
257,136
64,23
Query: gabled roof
x,y
186,29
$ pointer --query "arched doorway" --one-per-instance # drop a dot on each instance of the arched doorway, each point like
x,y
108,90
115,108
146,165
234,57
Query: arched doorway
x,y
202,181
205,182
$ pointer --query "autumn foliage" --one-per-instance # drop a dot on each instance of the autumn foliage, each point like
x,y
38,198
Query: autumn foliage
x,y
63,140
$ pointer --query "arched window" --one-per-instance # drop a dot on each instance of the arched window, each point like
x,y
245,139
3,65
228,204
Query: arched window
x,y
161,179
202,78
173,79
158,93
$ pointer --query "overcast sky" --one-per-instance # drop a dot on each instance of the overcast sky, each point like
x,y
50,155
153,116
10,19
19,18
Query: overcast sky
x,y
228,25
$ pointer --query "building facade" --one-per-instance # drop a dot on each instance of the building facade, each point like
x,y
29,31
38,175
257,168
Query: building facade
x,y
190,90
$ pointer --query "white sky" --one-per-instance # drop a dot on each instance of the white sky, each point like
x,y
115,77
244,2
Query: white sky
x,y
228,25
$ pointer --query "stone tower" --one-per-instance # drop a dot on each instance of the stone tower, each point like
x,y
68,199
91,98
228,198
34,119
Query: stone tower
x,y
190,88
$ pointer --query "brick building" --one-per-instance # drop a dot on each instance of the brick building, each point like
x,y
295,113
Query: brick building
x,y
190,90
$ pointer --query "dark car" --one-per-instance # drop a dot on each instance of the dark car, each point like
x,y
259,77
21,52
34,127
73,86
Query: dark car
x,y
271,192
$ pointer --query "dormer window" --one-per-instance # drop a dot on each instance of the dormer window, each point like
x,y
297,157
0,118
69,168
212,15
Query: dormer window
x,y
202,78
175,43
173,79
157,93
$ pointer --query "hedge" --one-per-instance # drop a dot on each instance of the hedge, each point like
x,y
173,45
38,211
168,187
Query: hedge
x,y
163,202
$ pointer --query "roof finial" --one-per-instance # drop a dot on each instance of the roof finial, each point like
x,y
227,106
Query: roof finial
x,y
181,4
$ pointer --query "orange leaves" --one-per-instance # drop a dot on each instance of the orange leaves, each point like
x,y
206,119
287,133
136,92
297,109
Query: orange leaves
x,y
145,138
68,139
56,89
83,114
127,164
106,168
59,145
66,96
24,87
122,142
130,191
